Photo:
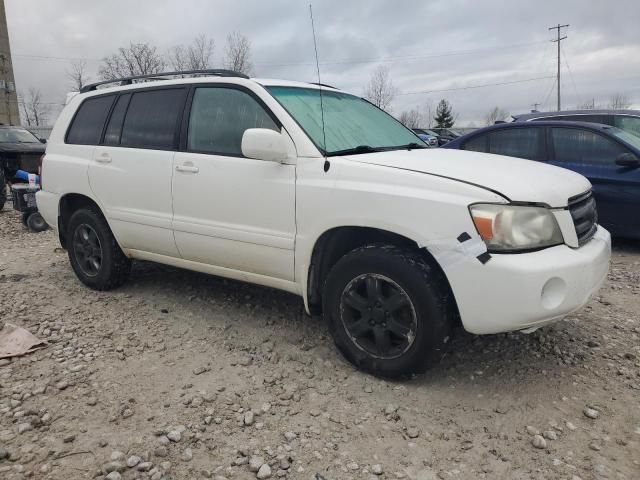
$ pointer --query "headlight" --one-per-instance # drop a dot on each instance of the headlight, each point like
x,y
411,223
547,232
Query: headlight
x,y
515,227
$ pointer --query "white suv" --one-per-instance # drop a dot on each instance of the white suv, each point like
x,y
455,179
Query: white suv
x,y
315,191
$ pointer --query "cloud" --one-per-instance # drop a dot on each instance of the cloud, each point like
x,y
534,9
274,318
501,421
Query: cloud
x,y
431,45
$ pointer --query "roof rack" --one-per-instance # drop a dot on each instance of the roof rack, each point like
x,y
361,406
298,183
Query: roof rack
x,y
161,76
323,85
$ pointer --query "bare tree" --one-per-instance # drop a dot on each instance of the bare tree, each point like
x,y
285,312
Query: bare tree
x,y
77,75
494,115
588,105
238,53
34,111
619,101
411,118
380,91
137,59
196,56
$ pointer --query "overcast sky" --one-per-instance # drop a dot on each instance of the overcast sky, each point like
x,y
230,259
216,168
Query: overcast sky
x,y
427,45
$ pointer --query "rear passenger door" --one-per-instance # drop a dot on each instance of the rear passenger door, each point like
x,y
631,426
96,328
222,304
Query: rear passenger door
x,y
231,211
594,155
132,167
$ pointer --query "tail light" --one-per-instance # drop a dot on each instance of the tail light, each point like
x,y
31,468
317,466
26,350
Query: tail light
x,y
40,162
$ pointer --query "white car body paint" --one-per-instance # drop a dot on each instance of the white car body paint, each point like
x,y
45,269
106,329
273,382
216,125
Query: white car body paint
x,y
259,221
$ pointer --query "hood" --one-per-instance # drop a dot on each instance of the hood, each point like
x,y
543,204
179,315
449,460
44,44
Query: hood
x,y
22,148
516,179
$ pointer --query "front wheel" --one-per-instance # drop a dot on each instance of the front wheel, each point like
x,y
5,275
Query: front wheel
x,y
95,256
387,310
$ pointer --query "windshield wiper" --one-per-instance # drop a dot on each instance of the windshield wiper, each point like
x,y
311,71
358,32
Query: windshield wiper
x,y
409,146
354,150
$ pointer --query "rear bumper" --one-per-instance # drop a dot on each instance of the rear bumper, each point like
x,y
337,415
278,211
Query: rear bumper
x,y
48,207
528,290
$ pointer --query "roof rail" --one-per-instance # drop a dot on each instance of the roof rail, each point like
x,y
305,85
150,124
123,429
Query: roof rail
x,y
323,85
160,76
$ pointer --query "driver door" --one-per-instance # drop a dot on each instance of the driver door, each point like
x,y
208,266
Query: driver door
x,y
231,211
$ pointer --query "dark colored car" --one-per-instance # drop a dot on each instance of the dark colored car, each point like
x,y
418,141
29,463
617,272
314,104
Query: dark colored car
x,y
19,150
628,120
608,156
445,135
427,136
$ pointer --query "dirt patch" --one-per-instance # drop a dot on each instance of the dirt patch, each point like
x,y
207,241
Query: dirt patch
x,y
186,376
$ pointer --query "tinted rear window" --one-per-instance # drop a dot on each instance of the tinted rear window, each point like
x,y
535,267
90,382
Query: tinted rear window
x,y
152,118
87,125
476,144
518,142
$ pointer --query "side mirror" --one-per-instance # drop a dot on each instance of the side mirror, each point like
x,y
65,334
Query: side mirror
x,y
264,144
627,160
43,140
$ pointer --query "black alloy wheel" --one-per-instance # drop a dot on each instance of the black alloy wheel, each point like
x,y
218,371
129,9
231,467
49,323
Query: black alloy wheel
x,y
378,315
87,250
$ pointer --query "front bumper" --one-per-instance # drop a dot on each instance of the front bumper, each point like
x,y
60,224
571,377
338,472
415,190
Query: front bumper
x,y
527,290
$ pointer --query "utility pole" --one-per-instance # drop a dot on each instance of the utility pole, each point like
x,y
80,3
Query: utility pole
x,y
558,39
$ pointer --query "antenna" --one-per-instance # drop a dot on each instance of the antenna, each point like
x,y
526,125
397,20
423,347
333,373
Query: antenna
x,y
315,46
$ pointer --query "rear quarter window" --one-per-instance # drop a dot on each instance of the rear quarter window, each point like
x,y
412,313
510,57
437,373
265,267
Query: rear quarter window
x,y
518,142
476,144
88,122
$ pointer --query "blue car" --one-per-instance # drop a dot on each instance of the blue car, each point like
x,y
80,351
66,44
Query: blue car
x,y
608,156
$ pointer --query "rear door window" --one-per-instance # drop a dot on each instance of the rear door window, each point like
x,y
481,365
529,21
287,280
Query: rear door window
x,y
152,118
573,145
518,142
219,117
87,125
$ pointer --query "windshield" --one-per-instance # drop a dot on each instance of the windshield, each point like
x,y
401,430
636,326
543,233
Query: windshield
x,y
17,135
625,136
431,132
350,122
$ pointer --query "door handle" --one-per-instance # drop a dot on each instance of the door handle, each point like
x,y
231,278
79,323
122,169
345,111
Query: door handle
x,y
104,157
187,168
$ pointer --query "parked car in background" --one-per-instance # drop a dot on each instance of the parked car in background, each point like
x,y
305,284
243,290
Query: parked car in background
x,y
430,138
394,243
445,135
19,150
608,156
627,120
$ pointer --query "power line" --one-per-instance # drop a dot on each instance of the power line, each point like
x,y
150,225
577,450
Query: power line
x,y
390,59
566,62
468,87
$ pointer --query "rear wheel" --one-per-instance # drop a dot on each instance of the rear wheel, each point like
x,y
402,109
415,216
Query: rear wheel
x,y
388,310
95,256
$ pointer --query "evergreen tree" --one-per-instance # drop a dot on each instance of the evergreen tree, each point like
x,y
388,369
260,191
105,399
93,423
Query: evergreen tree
x,y
444,115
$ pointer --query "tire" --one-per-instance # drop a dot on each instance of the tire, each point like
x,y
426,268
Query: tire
x,y
36,223
95,256
413,317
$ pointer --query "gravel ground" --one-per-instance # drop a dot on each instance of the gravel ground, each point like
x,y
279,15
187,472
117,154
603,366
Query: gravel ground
x,y
180,375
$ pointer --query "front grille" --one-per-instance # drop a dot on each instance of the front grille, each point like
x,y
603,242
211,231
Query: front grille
x,y
585,216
